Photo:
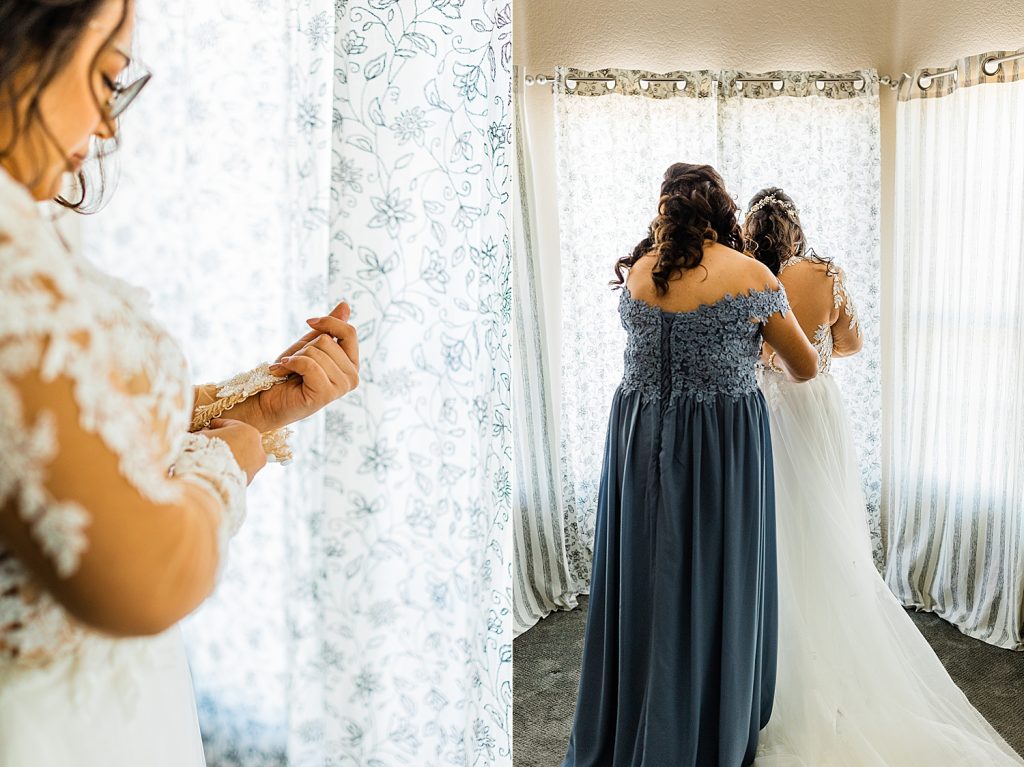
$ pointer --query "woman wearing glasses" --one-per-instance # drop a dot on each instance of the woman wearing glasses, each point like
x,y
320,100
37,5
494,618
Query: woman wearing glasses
x,y
120,483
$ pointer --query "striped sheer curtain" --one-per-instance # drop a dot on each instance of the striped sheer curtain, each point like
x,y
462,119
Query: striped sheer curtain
x,y
543,581
956,491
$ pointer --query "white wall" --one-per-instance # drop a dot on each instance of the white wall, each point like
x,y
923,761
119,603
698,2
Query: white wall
x,y
660,35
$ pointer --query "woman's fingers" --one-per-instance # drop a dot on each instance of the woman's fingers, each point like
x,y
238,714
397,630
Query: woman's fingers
x,y
298,344
342,311
345,333
330,367
313,375
340,369
334,323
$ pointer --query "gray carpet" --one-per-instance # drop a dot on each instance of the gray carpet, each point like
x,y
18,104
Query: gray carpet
x,y
546,671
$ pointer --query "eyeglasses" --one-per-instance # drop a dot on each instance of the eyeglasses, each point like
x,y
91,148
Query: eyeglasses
x,y
122,95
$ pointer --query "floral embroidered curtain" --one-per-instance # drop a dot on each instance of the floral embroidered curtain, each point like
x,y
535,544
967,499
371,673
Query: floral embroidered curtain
x,y
288,155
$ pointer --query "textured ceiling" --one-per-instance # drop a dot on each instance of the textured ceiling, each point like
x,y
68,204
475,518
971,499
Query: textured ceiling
x,y
798,34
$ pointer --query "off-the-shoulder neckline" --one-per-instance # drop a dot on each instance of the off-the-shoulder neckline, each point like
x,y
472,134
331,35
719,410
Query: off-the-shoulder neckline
x,y
726,298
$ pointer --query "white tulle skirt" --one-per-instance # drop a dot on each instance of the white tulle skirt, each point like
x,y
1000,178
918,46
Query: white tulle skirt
x,y
858,686
117,703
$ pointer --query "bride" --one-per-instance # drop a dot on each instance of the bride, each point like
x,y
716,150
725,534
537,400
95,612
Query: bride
x,y
120,484
858,686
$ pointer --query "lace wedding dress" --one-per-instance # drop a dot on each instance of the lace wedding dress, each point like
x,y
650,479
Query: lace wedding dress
x,y
95,444
858,686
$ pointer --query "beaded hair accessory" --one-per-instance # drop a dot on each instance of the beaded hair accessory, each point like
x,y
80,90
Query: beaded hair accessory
x,y
767,200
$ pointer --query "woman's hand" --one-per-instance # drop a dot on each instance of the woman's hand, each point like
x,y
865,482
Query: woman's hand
x,y
245,442
321,366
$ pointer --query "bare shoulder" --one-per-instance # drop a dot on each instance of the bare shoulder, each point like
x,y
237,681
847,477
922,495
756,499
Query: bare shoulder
x,y
639,273
809,272
744,272
757,276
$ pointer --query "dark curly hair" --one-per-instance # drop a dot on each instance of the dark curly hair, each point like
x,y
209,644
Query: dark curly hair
x,y
694,206
773,232
39,37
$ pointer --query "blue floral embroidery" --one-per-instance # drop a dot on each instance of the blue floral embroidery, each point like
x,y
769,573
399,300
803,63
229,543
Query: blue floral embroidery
x,y
713,349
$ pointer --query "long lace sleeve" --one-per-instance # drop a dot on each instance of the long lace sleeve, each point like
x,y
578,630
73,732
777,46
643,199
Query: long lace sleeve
x,y
845,333
844,302
112,516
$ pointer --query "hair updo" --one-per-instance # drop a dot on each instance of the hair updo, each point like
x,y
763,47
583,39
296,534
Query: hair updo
x,y
772,229
694,207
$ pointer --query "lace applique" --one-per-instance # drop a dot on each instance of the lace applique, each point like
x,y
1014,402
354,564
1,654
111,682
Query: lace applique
x,y
64,319
237,389
822,340
822,343
209,463
27,449
839,291
703,353
276,445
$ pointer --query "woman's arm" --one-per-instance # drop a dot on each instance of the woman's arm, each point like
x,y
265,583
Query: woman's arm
x,y
124,559
793,352
846,336
780,329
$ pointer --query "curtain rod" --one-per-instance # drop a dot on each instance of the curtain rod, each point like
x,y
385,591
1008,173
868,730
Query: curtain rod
x,y
681,81
989,66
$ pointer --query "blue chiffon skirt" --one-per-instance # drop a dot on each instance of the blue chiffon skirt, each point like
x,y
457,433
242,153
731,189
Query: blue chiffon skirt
x,y
680,647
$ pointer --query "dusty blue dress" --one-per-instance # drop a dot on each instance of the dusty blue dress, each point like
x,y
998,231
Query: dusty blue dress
x,y
679,653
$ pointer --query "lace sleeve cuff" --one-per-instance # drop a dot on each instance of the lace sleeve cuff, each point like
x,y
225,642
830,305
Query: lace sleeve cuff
x,y
237,389
209,463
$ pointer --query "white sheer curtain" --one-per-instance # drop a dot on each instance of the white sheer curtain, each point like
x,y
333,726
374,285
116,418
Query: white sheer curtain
x,y
285,156
543,582
820,144
956,535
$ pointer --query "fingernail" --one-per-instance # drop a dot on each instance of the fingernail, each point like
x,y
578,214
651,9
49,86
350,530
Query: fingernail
x,y
313,321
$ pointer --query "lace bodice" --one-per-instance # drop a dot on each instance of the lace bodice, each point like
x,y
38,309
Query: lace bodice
x,y
64,323
703,353
822,340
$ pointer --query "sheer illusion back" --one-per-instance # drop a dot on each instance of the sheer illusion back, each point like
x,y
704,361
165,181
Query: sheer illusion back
x,y
831,312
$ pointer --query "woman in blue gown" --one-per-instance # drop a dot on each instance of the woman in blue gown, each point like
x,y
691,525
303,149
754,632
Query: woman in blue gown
x,y
679,654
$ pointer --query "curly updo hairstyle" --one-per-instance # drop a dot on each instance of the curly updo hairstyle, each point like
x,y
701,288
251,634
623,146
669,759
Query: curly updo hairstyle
x,y
694,207
39,37
773,231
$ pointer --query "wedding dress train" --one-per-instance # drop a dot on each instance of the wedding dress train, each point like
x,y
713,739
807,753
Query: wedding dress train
x,y
858,686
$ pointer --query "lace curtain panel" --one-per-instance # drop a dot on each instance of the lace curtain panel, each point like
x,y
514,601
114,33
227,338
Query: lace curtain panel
x,y
955,489
286,156
821,144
